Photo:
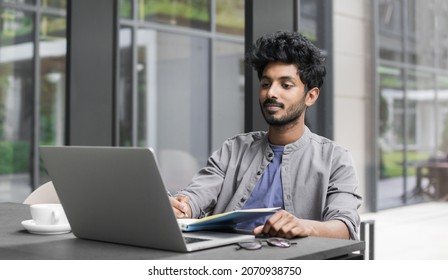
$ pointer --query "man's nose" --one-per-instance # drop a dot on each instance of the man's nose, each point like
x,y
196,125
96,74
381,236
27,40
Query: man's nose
x,y
273,91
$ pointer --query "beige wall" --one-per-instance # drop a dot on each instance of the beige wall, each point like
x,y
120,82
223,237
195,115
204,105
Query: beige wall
x,y
353,82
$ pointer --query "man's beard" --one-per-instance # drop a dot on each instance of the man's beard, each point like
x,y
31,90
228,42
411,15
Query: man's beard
x,y
292,114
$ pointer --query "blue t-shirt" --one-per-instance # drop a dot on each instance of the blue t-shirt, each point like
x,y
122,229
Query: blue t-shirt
x,y
268,192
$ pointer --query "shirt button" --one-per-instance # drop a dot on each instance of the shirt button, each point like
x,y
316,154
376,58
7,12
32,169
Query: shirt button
x,y
243,199
259,173
270,155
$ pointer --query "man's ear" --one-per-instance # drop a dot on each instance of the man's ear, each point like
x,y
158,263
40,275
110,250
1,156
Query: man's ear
x,y
311,96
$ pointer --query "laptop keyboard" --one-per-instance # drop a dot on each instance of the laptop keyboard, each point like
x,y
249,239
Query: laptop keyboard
x,y
190,240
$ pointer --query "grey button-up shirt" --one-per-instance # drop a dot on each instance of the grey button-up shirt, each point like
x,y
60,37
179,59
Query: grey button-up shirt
x,y
318,176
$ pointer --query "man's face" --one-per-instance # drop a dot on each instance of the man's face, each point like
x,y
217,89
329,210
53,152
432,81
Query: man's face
x,y
282,97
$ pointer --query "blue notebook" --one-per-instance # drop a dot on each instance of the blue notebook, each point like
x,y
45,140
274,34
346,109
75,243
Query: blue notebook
x,y
226,220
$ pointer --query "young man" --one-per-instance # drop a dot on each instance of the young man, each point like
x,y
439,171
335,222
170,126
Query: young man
x,y
310,177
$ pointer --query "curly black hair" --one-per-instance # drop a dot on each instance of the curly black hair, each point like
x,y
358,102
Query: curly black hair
x,y
291,48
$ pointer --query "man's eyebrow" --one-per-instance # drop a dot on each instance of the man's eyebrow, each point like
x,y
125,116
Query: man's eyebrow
x,y
280,78
265,78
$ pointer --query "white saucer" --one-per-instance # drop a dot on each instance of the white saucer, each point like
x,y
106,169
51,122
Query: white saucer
x,y
31,226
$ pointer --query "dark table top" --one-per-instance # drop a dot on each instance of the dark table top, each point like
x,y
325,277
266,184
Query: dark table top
x,y
18,244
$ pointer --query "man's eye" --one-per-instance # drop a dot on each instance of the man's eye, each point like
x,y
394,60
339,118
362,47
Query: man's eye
x,y
264,85
286,86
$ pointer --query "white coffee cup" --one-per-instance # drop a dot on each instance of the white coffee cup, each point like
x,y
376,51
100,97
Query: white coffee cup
x,y
48,214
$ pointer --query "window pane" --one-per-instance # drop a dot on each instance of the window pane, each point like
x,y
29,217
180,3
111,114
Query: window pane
x,y
442,83
442,103
146,89
52,28
174,70
398,123
391,107
183,94
442,36
421,33
190,13
421,129
124,98
308,19
21,1
54,3
414,105
420,132
390,30
52,97
52,49
228,92
391,156
230,16
15,27
16,103
126,9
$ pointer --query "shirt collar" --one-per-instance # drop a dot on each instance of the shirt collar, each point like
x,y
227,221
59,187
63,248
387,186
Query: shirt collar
x,y
297,145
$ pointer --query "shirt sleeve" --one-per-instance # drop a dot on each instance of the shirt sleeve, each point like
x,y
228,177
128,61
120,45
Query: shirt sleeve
x,y
206,185
342,200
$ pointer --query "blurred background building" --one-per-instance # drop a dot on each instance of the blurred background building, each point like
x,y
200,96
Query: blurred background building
x,y
181,86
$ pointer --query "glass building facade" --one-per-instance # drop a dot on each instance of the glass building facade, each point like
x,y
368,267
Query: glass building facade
x,y
412,95
181,87
32,89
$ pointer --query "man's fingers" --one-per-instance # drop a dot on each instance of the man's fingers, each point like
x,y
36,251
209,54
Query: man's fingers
x,y
183,198
281,224
180,208
258,230
274,223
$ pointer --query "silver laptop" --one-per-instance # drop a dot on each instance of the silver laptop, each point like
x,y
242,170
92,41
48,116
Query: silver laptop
x,y
116,194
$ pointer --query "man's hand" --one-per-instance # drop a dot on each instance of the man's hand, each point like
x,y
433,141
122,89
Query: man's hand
x,y
181,206
286,225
